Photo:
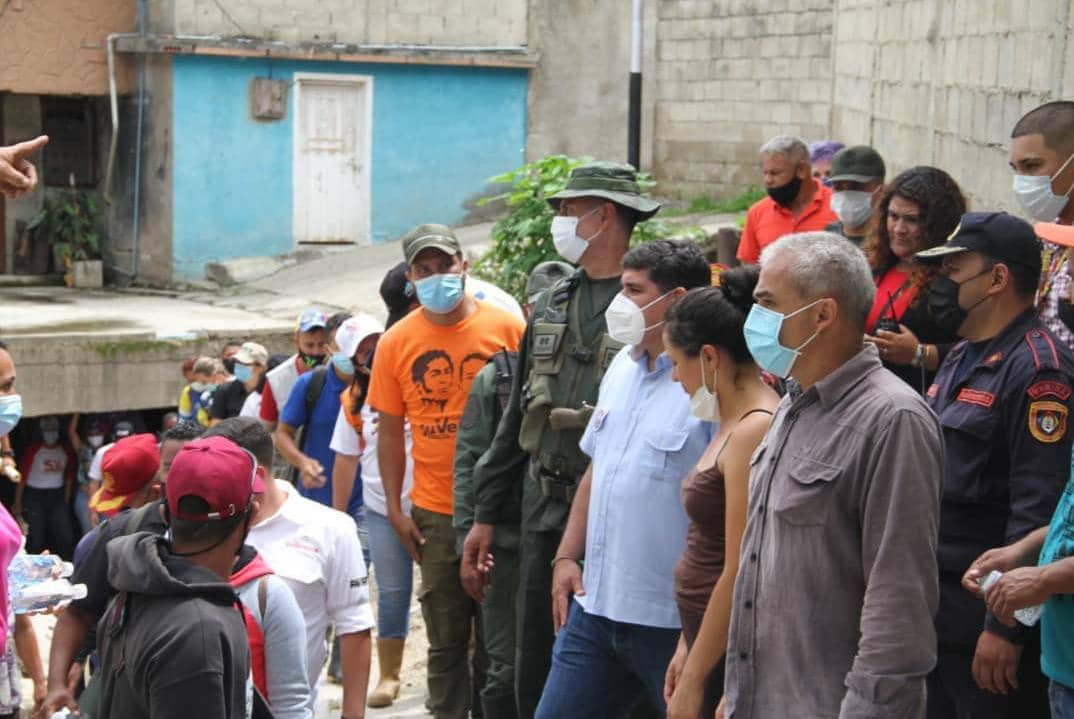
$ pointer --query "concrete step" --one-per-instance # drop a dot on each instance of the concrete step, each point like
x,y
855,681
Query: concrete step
x,y
30,280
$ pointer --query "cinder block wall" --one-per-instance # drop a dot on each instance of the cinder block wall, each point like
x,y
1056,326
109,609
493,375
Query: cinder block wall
x,y
105,373
938,82
942,82
729,75
428,22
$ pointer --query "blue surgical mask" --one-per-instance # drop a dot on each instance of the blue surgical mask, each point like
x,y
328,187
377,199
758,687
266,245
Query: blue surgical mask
x,y
243,372
343,363
10,412
762,339
440,293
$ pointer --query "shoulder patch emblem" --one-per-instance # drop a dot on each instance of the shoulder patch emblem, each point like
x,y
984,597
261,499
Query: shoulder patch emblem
x,y
934,389
1047,421
977,397
1049,388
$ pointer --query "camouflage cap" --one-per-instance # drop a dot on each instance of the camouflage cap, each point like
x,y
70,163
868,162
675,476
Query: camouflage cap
x,y
610,181
439,237
544,276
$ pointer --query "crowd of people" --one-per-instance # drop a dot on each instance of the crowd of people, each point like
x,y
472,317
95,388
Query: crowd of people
x,y
834,482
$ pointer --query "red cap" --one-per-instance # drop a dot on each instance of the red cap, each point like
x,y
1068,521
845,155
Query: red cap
x,y
126,468
216,470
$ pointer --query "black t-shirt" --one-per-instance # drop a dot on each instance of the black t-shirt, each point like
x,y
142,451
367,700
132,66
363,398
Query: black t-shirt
x,y
228,400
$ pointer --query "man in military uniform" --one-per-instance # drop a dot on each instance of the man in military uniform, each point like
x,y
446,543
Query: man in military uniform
x,y
1003,399
488,397
561,360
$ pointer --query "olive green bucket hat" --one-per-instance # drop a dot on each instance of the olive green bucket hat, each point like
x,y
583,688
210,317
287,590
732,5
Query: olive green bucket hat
x,y
610,181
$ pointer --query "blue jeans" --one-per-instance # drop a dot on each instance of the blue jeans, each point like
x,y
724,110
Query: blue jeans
x,y
1061,698
395,577
602,668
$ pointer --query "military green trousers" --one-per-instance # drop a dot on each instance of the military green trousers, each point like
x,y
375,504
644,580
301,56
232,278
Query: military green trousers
x,y
498,616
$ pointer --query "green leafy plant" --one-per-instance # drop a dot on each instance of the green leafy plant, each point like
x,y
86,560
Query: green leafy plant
x,y
71,222
522,239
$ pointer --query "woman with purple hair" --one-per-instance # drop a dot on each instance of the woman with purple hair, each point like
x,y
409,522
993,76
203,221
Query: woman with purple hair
x,y
821,153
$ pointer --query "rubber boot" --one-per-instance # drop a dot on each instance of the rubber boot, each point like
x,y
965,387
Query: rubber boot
x,y
499,706
390,654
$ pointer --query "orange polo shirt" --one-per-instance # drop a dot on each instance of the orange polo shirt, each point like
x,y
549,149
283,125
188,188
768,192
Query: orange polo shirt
x,y
766,222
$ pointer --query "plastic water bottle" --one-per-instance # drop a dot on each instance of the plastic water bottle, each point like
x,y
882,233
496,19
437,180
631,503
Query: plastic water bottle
x,y
31,568
50,594
1028,615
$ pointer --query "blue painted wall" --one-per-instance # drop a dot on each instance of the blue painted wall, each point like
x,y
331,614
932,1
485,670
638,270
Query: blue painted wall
x,y
438,134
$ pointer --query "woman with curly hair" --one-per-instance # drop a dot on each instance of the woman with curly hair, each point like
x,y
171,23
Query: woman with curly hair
x,y
918,210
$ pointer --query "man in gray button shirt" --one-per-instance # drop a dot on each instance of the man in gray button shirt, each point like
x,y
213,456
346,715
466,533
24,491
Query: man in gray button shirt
x,y
837,587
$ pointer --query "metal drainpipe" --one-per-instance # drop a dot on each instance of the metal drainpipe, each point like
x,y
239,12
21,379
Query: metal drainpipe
x,y
113,95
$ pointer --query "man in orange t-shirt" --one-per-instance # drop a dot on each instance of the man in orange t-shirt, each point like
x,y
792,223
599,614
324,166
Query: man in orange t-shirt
x,y
796,202
422,374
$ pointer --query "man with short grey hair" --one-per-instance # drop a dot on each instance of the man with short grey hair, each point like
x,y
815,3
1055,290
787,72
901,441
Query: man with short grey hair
x,y
796,202
838,571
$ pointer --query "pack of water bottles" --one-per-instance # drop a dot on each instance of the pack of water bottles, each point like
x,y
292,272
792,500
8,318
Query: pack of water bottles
x,y
37,582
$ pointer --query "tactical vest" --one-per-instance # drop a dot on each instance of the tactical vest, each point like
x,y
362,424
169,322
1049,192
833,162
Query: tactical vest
x,y
561,388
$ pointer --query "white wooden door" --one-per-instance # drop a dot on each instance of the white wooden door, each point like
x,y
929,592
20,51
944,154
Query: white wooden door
x,y
333,126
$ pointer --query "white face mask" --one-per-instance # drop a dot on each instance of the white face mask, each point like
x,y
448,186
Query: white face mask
x,y
95,440
854,207
1035,196
565,237
50,436
625,320
704,404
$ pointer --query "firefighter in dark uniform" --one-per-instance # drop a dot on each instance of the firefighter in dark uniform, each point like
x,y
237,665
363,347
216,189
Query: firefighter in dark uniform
x,y
561,360
1003,399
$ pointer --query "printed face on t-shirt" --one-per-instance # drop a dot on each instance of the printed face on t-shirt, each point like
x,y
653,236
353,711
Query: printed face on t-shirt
x,y
471,365
434,374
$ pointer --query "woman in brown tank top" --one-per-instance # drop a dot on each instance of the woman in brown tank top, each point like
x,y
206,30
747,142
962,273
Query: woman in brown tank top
x,y
703,338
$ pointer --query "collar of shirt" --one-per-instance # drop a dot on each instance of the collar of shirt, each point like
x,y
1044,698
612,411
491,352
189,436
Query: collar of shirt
x,y
829,390
641,358
291,509
1003,344
819,201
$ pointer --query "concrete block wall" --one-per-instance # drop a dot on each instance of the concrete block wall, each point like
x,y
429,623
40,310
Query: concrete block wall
x,y
938,82
942,82
422,22
104,373
729,75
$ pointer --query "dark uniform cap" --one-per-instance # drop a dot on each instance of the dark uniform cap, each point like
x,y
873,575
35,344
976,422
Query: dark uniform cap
x,y
396,294
860,163
422,237
997,235
544,276
610,181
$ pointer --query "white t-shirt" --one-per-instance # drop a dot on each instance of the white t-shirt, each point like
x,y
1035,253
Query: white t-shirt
x,y
345,441
315,549
94,472
489,292
47,468
251,406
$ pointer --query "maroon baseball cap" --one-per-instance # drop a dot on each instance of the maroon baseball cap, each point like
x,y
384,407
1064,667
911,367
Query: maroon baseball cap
x,y
216,470
126,468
